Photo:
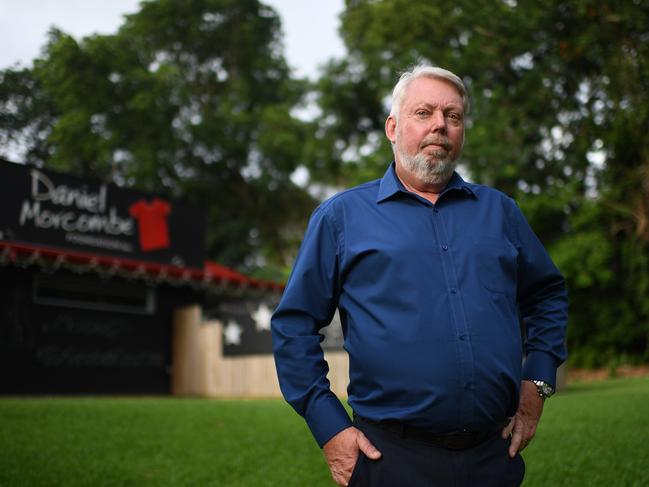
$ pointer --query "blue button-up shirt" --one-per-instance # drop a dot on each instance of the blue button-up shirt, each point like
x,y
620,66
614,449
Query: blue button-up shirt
x,y
431,300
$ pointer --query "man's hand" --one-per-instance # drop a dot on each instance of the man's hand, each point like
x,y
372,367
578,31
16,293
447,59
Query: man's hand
x,y
522,427
342,450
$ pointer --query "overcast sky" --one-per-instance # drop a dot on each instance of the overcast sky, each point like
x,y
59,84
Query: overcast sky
x,y
310,27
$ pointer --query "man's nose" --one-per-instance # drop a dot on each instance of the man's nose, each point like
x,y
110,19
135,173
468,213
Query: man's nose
x,y
438,122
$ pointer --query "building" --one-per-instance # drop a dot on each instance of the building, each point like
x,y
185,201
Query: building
x,y
105,290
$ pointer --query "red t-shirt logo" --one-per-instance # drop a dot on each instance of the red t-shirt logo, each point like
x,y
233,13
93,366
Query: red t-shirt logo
x,y
152,223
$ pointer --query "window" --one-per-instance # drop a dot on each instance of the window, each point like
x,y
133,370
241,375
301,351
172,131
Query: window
x,y
89,292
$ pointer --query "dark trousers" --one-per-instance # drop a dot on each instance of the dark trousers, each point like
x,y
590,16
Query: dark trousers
x,y
407,462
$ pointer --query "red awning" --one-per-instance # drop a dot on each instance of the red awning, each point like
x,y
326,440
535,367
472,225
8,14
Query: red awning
x,y
213,277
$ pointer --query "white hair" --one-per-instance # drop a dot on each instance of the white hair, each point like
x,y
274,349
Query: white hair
x,y
425,71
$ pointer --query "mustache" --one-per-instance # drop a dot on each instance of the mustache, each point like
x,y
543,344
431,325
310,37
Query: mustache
x,y
437,140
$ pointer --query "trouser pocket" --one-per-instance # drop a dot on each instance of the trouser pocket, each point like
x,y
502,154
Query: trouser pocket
x,y
357,474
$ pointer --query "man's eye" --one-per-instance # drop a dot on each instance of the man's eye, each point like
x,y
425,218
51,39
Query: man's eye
x,y
421,113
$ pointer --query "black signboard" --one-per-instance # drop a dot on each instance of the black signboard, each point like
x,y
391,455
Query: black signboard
x,y
246,328
63,348
43,207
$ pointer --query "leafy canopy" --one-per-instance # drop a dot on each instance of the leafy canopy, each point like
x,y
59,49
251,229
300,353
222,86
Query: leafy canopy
x,y
192,99
559,121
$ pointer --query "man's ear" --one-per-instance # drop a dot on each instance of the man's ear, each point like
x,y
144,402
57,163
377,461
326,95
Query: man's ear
x,y
391,129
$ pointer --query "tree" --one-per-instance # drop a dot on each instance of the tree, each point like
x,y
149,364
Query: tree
x,y
559,120
192,99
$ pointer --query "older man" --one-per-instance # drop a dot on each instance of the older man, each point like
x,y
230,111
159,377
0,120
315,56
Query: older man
x,y
432,276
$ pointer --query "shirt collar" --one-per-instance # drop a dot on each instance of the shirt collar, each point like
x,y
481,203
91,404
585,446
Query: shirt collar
x,y
391,185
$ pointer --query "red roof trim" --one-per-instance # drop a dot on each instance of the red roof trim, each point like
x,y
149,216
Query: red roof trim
x,y
212,274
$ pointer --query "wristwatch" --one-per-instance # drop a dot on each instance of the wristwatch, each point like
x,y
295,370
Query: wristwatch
x,y
545,389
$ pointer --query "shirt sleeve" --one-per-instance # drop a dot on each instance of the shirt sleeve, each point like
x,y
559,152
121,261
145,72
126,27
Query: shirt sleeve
x,y
162,207
543,305
135,209
308,304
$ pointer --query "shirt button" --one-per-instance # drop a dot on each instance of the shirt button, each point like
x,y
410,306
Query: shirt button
x,y
469,386
444,247
435,210
462,337
453,290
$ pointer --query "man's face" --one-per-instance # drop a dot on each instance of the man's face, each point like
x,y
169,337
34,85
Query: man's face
x,y
429,133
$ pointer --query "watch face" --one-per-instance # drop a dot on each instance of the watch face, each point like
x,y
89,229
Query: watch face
x,y
546,389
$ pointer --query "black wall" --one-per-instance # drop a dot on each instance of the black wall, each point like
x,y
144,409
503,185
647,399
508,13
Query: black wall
x,y
55,349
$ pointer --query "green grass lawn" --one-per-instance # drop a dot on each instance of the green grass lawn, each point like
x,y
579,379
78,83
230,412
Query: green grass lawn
x,y
596,434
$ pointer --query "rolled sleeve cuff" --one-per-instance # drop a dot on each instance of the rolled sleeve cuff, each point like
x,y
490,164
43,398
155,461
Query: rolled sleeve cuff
x,y
540,366
326,418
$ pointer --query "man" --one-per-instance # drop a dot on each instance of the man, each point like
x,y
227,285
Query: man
x,y
431,276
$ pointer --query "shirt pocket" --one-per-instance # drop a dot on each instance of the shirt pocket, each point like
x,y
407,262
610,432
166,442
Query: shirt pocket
x,y
496,264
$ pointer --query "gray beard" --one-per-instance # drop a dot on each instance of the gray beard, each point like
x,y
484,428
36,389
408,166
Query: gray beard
x,y
436,168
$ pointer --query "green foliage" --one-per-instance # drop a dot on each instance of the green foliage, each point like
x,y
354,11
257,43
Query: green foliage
x,y
559,120
192,99
26,114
